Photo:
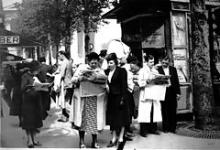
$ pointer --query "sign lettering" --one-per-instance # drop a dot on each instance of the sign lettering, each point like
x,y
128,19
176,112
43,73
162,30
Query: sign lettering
x,y
9,39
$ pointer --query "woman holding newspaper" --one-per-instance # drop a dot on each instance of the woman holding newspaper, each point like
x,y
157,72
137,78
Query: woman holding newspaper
x,y
31,109
90,99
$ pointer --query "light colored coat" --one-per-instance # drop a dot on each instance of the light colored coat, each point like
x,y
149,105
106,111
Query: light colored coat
x,y
78,102
145,75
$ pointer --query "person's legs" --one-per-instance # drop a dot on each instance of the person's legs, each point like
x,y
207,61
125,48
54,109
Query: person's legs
x,y
172,117
165,120
121,135
143,129
153,125
94,141
29,139
113,142
128,133
33,136
81,139
121,142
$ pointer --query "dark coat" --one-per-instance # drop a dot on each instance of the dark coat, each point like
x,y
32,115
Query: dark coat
x,y
175,86
118,106
43,70
42,76
31,110
15,108
169,106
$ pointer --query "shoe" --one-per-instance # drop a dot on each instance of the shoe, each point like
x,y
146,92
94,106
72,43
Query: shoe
x,y
30,145
37,143
143,134
121,145
155,132
127,138
111,144
130,134
95,145
82,146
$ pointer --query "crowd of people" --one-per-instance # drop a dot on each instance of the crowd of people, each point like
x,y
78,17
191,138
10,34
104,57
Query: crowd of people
x,y
105,91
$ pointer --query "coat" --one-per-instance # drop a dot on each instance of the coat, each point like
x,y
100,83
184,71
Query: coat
x,y
118,114
82,90
31,109
144,76
174,81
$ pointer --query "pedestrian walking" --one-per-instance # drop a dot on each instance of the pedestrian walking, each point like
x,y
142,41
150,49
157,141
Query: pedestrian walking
x,y
16,100
117,107
65,72
90,99
31,110
169,106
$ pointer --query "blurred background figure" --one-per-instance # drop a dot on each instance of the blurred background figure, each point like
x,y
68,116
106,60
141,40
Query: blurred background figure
x,y
103,61
43,76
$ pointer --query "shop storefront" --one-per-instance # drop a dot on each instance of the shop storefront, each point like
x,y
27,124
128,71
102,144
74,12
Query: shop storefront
x,y
161,27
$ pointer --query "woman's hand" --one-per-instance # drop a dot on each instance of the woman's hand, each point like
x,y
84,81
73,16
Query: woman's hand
x,y
91,78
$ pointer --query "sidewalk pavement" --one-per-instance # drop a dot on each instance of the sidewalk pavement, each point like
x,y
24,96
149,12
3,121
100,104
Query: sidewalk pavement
x,y
60,135
53,134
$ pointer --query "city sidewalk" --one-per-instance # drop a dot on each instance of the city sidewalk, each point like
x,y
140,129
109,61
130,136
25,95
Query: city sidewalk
x,y
60,135
53,134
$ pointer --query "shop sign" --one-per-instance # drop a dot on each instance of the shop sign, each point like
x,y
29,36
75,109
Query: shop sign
x,y
9,39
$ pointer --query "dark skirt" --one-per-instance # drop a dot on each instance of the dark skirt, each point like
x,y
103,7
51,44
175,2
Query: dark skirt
x,y
31,110
117,115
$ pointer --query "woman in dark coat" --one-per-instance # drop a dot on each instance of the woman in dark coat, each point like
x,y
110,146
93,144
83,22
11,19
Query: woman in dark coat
x,y
15,108
31,109
117,106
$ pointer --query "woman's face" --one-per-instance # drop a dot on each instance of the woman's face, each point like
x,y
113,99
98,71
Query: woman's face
x,y
111,64
94,63
134,68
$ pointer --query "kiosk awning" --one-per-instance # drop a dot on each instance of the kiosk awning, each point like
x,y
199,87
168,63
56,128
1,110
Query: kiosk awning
x,y
138,8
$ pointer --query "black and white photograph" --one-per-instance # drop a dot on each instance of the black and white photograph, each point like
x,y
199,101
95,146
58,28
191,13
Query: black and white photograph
x,y
110,74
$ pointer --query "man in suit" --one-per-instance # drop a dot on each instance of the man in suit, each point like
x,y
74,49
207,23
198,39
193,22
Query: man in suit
x,y
169,106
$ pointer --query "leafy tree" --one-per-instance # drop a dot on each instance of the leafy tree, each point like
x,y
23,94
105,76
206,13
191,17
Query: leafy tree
x,y
58,19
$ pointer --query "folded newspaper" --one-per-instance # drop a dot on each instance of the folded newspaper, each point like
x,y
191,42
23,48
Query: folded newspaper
x,y
161,79
39,86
